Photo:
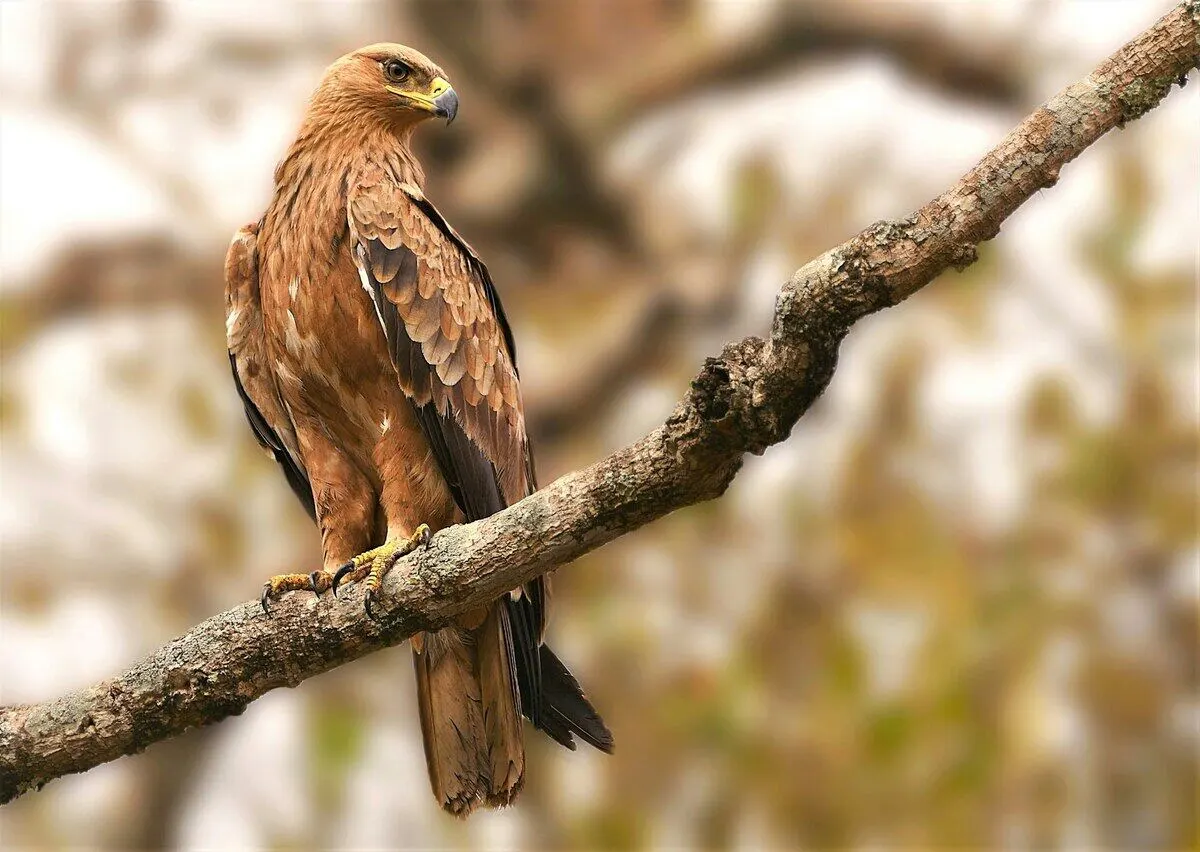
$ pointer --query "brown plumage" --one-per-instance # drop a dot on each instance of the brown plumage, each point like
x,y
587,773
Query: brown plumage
x,y
376,366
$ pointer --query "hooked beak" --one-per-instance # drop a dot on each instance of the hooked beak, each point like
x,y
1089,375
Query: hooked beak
x,y
441,100
446,105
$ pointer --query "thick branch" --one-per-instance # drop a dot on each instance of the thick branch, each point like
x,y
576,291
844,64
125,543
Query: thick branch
x,y
745,400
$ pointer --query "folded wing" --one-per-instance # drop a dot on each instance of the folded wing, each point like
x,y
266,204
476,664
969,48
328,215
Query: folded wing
x,y
454,357
249,360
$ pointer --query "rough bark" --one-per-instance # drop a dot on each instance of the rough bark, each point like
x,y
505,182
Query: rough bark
x,y
743,401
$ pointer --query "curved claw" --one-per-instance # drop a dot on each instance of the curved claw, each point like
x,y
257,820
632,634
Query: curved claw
x,y
341,572
425,534
312,582
367,599
266,596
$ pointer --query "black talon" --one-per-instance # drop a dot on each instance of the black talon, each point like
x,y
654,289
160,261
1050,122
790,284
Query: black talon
x,y
266,596
312,582
341,572
367,598
426,537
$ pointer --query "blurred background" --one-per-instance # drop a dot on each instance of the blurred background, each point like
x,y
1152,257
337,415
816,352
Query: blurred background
x,y
957,609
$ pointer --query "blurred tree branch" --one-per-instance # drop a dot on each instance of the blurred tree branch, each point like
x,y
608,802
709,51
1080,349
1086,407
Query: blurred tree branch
x,y
906,33
743,401
572,144
575,194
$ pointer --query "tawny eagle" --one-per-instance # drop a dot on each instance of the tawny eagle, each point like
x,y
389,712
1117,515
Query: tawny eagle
x,y
371,351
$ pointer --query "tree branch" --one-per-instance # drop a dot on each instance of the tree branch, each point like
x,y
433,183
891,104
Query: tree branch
x,y
743,401
905,33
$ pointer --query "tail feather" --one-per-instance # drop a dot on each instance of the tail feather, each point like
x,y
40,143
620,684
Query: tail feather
x,y
473,682
501,708
470,714
448,695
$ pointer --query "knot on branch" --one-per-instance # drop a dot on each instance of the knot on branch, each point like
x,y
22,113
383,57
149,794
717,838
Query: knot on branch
x,y
719,420
739,409
722,394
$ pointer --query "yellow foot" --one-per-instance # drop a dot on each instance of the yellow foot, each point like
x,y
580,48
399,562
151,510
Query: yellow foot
x,y
273,589
374,564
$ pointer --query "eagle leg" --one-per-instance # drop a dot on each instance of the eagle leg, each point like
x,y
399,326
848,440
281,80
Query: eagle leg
x,y
273,589
374,564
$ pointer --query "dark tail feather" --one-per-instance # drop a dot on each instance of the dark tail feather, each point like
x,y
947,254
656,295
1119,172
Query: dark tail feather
x,y
565,709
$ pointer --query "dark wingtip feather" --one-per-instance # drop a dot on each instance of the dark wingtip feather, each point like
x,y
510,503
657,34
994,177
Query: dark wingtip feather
x,y
527,664
554,727
568,706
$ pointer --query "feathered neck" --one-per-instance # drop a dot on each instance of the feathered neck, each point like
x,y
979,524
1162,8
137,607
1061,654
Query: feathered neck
x,y
341,142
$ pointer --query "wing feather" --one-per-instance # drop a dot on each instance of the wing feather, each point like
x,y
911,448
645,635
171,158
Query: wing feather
x,y
251,365
446,330
454,354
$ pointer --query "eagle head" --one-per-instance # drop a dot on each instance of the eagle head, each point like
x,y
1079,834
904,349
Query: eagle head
x,y
393,80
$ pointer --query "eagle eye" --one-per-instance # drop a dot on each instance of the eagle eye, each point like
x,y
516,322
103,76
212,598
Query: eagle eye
x,y
396,71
